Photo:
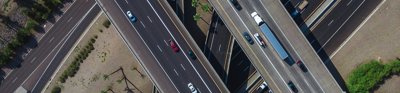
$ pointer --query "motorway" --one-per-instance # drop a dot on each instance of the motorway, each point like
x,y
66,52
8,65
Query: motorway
x,y
272,69
295,44
340,23
148,40
42,61
218,46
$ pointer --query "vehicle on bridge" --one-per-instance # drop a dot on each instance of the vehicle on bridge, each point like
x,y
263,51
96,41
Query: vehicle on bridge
x,y
264,88
247,36
276,45
302,66
236,4
292,87
259,40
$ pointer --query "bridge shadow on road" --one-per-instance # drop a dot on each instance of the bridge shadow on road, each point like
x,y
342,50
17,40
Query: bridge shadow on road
x,y
316,46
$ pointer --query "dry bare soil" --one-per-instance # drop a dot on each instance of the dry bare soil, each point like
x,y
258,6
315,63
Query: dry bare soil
x,y
378,38
109,55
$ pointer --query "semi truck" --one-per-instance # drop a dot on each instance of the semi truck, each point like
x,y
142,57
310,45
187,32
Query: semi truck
x,y
276,45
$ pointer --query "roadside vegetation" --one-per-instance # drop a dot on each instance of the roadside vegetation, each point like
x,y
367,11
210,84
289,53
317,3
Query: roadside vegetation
x,y
204,6
367,76
82,55
37,11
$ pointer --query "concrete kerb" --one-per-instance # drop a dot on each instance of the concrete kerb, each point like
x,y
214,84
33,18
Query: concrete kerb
x,y
251,58
229,56
320,10
326,12
330,75
205,63
132,50
69,52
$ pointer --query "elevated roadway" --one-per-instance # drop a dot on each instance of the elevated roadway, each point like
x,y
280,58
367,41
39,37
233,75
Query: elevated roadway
x,y
273,70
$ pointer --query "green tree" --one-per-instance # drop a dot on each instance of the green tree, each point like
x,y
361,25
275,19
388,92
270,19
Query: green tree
x,y
196,17
195,3
205,7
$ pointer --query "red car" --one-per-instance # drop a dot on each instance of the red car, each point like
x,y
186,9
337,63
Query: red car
x,y
301,65
173,46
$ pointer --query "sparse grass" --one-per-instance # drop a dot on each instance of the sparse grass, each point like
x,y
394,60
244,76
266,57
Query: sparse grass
x,y
105,77
119,81
95,78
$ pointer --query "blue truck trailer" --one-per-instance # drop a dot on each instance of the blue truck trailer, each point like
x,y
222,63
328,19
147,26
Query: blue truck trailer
x,y
274,41
276,45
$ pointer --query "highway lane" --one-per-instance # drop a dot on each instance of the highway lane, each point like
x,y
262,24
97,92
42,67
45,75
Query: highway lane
x,y
260,57
63,50
137,46
217,47
155,29
298,47
44,49
340,23
302,80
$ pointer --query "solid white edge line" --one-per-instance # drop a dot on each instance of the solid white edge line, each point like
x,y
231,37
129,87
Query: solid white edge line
x,y
291,46
262,49
158,62
178,45
65,41
69,53
357,29
320,49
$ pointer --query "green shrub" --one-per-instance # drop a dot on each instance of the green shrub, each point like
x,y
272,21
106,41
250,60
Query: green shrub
x,y
56,89
107,23
364,77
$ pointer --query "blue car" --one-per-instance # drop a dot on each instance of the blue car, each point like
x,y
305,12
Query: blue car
x,y
131,16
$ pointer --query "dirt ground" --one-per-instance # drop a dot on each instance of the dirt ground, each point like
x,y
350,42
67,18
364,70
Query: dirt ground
x,y
205,21
377,39
109,55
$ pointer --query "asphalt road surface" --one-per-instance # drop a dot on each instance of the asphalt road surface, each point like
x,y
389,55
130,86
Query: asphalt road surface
x,y
340,23
217,47
264,60
302,80
148,39
295,44
50,50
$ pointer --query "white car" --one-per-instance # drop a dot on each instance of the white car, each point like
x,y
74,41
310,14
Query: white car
x,y
257,18
264,87
259,40
192,88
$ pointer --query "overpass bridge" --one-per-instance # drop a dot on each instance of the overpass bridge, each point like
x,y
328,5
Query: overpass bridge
x,y
267,62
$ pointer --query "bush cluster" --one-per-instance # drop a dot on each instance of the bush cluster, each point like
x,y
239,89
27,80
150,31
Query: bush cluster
x,y
107,23
56,89
365,77
82,55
